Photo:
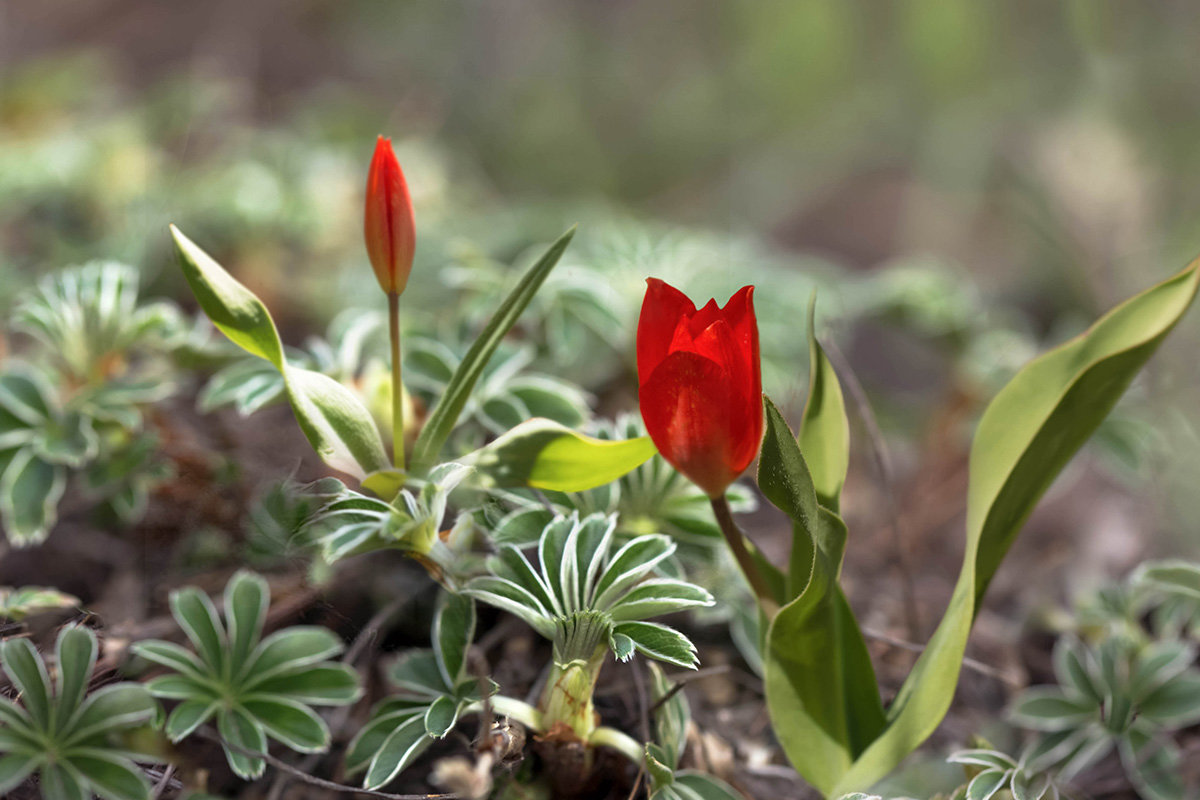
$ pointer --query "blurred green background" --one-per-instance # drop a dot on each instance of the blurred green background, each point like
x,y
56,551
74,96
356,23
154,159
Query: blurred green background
x,y
967,182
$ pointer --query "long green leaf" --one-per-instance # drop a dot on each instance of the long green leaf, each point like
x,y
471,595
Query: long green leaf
x,y
543,454
821,689
333,419
824,429
445,413
1026,436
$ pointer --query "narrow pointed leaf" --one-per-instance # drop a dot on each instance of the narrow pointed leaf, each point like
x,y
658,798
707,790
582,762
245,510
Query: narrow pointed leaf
x,y
824,429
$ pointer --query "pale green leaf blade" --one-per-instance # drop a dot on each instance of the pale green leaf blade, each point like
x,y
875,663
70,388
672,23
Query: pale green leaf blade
x,y
445,413
543,454
824,428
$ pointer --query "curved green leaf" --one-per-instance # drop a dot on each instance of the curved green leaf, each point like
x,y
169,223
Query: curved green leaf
x,y
824,429
27,672
333,419
444,415
543,454
399,749
1026,436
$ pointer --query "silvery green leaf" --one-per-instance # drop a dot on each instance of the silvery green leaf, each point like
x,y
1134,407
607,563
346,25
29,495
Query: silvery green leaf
x,y
660,642
453,630
659,596
1046,708
636,559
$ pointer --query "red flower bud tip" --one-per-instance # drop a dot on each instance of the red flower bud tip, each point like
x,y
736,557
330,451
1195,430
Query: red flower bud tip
x,y
388,221
700,383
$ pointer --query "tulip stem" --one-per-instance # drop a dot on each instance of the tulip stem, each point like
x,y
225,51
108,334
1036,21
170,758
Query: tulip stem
x,y
397,386
737,543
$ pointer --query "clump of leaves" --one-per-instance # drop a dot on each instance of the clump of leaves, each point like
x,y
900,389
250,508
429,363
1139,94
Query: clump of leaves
x,y
76,406
434,689
992,771
255,687
1117,696
17,604
78,743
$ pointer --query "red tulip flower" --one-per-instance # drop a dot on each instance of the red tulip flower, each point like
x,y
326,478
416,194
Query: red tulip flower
x,y
700,383
388,221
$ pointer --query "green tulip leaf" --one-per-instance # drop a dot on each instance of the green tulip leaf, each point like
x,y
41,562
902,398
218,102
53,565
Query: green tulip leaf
x,y
445,413
824,429
333,419
1026,436
543,454
821,688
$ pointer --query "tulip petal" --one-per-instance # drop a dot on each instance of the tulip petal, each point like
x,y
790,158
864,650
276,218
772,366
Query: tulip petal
x,y
688,405
663,309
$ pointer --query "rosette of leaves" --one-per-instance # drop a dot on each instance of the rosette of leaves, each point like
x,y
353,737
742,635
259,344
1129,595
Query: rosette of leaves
x,y
90,322
433,687
589,597
1115,697
671,718
76,407
992,772
351,523
1171,591
255,688
79,743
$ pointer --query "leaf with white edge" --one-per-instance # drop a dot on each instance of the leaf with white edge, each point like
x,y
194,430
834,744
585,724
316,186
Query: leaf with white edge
x,y
287,721
1173,576
112,777
660,642
824,429
1175,703
333,419
622,646
27,672
441,716
986,784
1048,708
176,687
187,716
511,565
543,454
1153,766
60,782
383,722
445,413
1027,434
246,601
988,759
1029,787
512,598
290,650
16,604
25,396
14,769
75,652
197,616
672,715
239,729
322,685
1073,664
119,705
635,560
1158,663
659,596
418,671
172,656
399,749
30,490
453,630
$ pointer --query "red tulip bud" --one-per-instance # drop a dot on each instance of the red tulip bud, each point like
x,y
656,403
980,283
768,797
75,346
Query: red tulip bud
x,y
700,383
388,221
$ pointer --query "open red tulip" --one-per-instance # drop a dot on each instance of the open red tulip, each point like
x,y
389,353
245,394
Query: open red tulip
x,y
700,383
388,220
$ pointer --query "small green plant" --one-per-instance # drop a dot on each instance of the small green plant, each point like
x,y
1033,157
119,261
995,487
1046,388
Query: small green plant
x,y
17,604
590,598
434,688
255,687
992,771
79,743
74,407
1118,696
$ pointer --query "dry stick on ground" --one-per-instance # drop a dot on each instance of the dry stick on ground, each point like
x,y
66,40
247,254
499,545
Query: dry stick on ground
x,y
680,681
212,736
883,466
338,718
968,662
639,684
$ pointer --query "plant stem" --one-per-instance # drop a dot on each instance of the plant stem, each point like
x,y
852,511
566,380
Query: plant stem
x,y
737,543
510,707
397,385
623,743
